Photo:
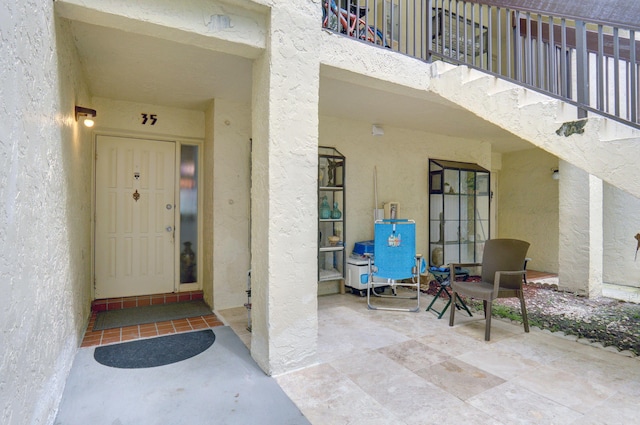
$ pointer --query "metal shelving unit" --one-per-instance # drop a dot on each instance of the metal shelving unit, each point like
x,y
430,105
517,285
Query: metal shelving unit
x,y
331,226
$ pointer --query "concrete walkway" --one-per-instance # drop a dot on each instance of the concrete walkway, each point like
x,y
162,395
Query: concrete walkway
x,y
222,385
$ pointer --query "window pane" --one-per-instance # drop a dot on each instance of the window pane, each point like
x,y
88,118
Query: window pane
x,y
188,214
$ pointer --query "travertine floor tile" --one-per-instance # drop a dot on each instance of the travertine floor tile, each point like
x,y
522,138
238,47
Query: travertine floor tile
x,y
326,396
498,361
597,365
396,388
536,346
513,404
565,388
399,368
452,343
620,408
459,378
346,333
413,355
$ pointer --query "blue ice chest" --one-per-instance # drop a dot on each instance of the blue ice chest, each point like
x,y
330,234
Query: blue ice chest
x,y
363,247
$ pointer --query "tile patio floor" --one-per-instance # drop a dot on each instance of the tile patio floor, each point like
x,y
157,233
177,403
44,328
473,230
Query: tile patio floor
x,y
383,367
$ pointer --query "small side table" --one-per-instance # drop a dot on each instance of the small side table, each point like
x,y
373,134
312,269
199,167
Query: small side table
x,y
442,277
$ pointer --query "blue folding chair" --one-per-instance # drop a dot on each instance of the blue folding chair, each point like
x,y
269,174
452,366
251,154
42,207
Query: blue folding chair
x,y
394,250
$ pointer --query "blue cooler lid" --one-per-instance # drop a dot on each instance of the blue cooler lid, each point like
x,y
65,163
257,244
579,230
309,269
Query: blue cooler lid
x,y
363,247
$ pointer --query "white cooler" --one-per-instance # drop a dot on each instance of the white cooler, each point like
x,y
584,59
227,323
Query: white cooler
x,y
357,275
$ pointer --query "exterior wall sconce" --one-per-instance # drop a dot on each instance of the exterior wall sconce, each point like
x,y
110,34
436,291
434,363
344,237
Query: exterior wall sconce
x,y
86,112
556,174
376,130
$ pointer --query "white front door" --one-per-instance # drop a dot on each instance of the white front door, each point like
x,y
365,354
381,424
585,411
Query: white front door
x,y
135,217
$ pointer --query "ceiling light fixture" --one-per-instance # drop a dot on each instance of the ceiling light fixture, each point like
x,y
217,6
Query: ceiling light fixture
x,y
86,112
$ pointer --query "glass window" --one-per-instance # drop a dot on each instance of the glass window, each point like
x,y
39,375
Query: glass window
x,y
188,214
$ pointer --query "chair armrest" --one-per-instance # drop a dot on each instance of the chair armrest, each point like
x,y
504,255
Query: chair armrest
x,y
420,266
496,280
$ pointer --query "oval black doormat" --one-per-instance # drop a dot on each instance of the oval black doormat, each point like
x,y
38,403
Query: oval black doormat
x,y
155,351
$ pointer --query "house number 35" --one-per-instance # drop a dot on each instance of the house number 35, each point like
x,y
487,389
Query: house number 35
x,y
150,119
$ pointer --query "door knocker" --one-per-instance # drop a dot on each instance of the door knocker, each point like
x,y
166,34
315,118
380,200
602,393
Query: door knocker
x,y
136,195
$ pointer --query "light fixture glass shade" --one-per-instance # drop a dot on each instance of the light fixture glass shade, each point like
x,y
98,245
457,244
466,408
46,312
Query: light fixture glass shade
x,y
555,175
87,113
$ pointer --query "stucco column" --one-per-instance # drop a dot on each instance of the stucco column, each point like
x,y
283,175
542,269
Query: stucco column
x,y
284,190
581,231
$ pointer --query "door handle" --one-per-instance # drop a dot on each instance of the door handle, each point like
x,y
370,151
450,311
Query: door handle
x,y
169,229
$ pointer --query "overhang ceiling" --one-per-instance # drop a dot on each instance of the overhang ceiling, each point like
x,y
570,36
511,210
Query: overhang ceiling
x,y
428,112
138,68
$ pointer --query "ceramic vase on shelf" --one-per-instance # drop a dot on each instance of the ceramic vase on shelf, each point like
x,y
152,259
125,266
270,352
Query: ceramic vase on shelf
x,y
325,209
336,214
187,264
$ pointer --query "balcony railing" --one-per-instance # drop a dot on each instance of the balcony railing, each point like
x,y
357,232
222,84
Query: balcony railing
x,y
585,53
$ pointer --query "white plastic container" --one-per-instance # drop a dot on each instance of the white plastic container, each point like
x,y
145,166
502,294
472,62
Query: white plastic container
x,y
357,275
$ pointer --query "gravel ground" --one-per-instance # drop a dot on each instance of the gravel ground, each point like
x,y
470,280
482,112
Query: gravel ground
x,y
601,320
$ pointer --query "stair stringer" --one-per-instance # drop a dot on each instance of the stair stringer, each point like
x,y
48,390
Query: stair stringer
x,y
607,149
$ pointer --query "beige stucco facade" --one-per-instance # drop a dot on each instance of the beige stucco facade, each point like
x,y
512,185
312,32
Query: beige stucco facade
x,y
528,205
46,202
259,172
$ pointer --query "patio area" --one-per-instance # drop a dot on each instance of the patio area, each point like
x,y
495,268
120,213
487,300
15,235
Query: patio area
x,y
383,367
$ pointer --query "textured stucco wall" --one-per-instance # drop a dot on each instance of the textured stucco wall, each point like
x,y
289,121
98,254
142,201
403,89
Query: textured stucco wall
x,y
528,205
621,224
401,157
235,27
45,185
226,183
581,231
231,200
123,117
285,158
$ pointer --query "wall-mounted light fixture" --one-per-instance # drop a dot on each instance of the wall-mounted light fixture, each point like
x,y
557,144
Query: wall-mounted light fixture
x,y
376,130
86,112
555,174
